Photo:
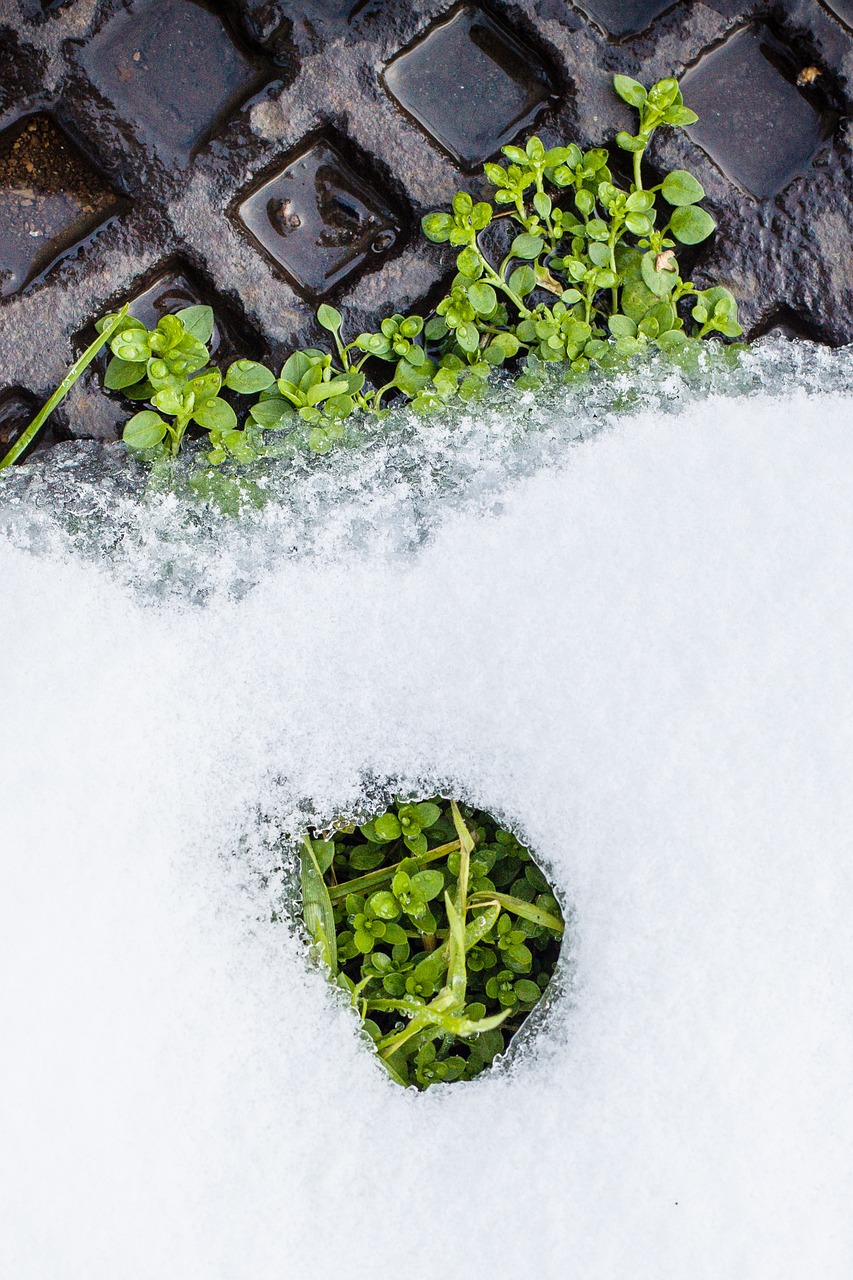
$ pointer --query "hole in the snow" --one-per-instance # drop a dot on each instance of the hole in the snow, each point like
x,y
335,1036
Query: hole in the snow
x,y
50,199
318,219
471,84
171,70
440,927
754,122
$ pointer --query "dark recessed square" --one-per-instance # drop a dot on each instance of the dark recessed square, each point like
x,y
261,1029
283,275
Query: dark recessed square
x,y
753,120
623,17
50,199
471,84
173,289
319,220
171,71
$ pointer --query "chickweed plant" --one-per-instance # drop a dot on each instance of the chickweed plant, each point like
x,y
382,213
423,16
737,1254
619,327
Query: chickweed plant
x,y
441,929
566,264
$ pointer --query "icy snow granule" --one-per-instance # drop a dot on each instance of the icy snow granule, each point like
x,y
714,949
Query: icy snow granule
x,y
641,656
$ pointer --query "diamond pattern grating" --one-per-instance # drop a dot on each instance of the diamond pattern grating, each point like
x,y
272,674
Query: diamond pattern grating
x,y
264,154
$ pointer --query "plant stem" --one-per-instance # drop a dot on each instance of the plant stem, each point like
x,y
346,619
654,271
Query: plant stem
x,y
79,366
387,873
638,174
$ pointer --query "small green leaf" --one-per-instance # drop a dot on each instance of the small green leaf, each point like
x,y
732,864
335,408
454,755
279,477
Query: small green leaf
x,y
198,322
123,373
270,414
340,406
215,415
639,224
691,225
664,93
321,391
585,201
679,116
428,813
527,246
384,905
522,281
469,263
140,390
468,337
132,345
672,340
437,227
248,377
640,202
630,91
435,329
387,827
428,884
295,367
622,326
681,188
329,317
144,430
483,298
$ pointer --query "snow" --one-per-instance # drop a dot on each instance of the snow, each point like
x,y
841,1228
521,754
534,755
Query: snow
x,y
640,655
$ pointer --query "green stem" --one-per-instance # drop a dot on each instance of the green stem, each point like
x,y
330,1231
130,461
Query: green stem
x,y
497,279
386,1047
372,878
638,175
540,188
614,293
377,399
26,438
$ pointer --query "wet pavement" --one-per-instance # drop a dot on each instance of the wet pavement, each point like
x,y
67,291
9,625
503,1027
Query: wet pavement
x,y
262,155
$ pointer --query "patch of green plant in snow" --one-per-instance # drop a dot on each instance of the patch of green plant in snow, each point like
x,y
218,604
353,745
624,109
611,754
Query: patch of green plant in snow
x,y
441,929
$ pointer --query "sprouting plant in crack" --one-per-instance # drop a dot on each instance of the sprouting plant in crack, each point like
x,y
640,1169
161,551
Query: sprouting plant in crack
x,y
30,432
440,928
565,265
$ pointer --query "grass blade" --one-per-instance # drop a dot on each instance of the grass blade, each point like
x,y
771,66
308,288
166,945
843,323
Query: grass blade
x,y
317,907
79,366
518,907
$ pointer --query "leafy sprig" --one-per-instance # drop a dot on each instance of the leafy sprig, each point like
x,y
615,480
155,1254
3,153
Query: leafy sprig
x,y
588,275
441,929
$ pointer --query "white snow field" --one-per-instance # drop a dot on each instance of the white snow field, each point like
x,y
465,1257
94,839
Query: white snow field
x,y
641,654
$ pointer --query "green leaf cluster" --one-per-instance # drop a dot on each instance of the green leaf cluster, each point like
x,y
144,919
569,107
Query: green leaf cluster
x,y
441,929
564,265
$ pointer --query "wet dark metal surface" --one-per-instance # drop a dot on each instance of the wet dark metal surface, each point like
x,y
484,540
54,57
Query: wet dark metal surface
x,y
262,154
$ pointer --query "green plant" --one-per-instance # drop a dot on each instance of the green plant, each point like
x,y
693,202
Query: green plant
x,y
78,367
567,265
440,928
